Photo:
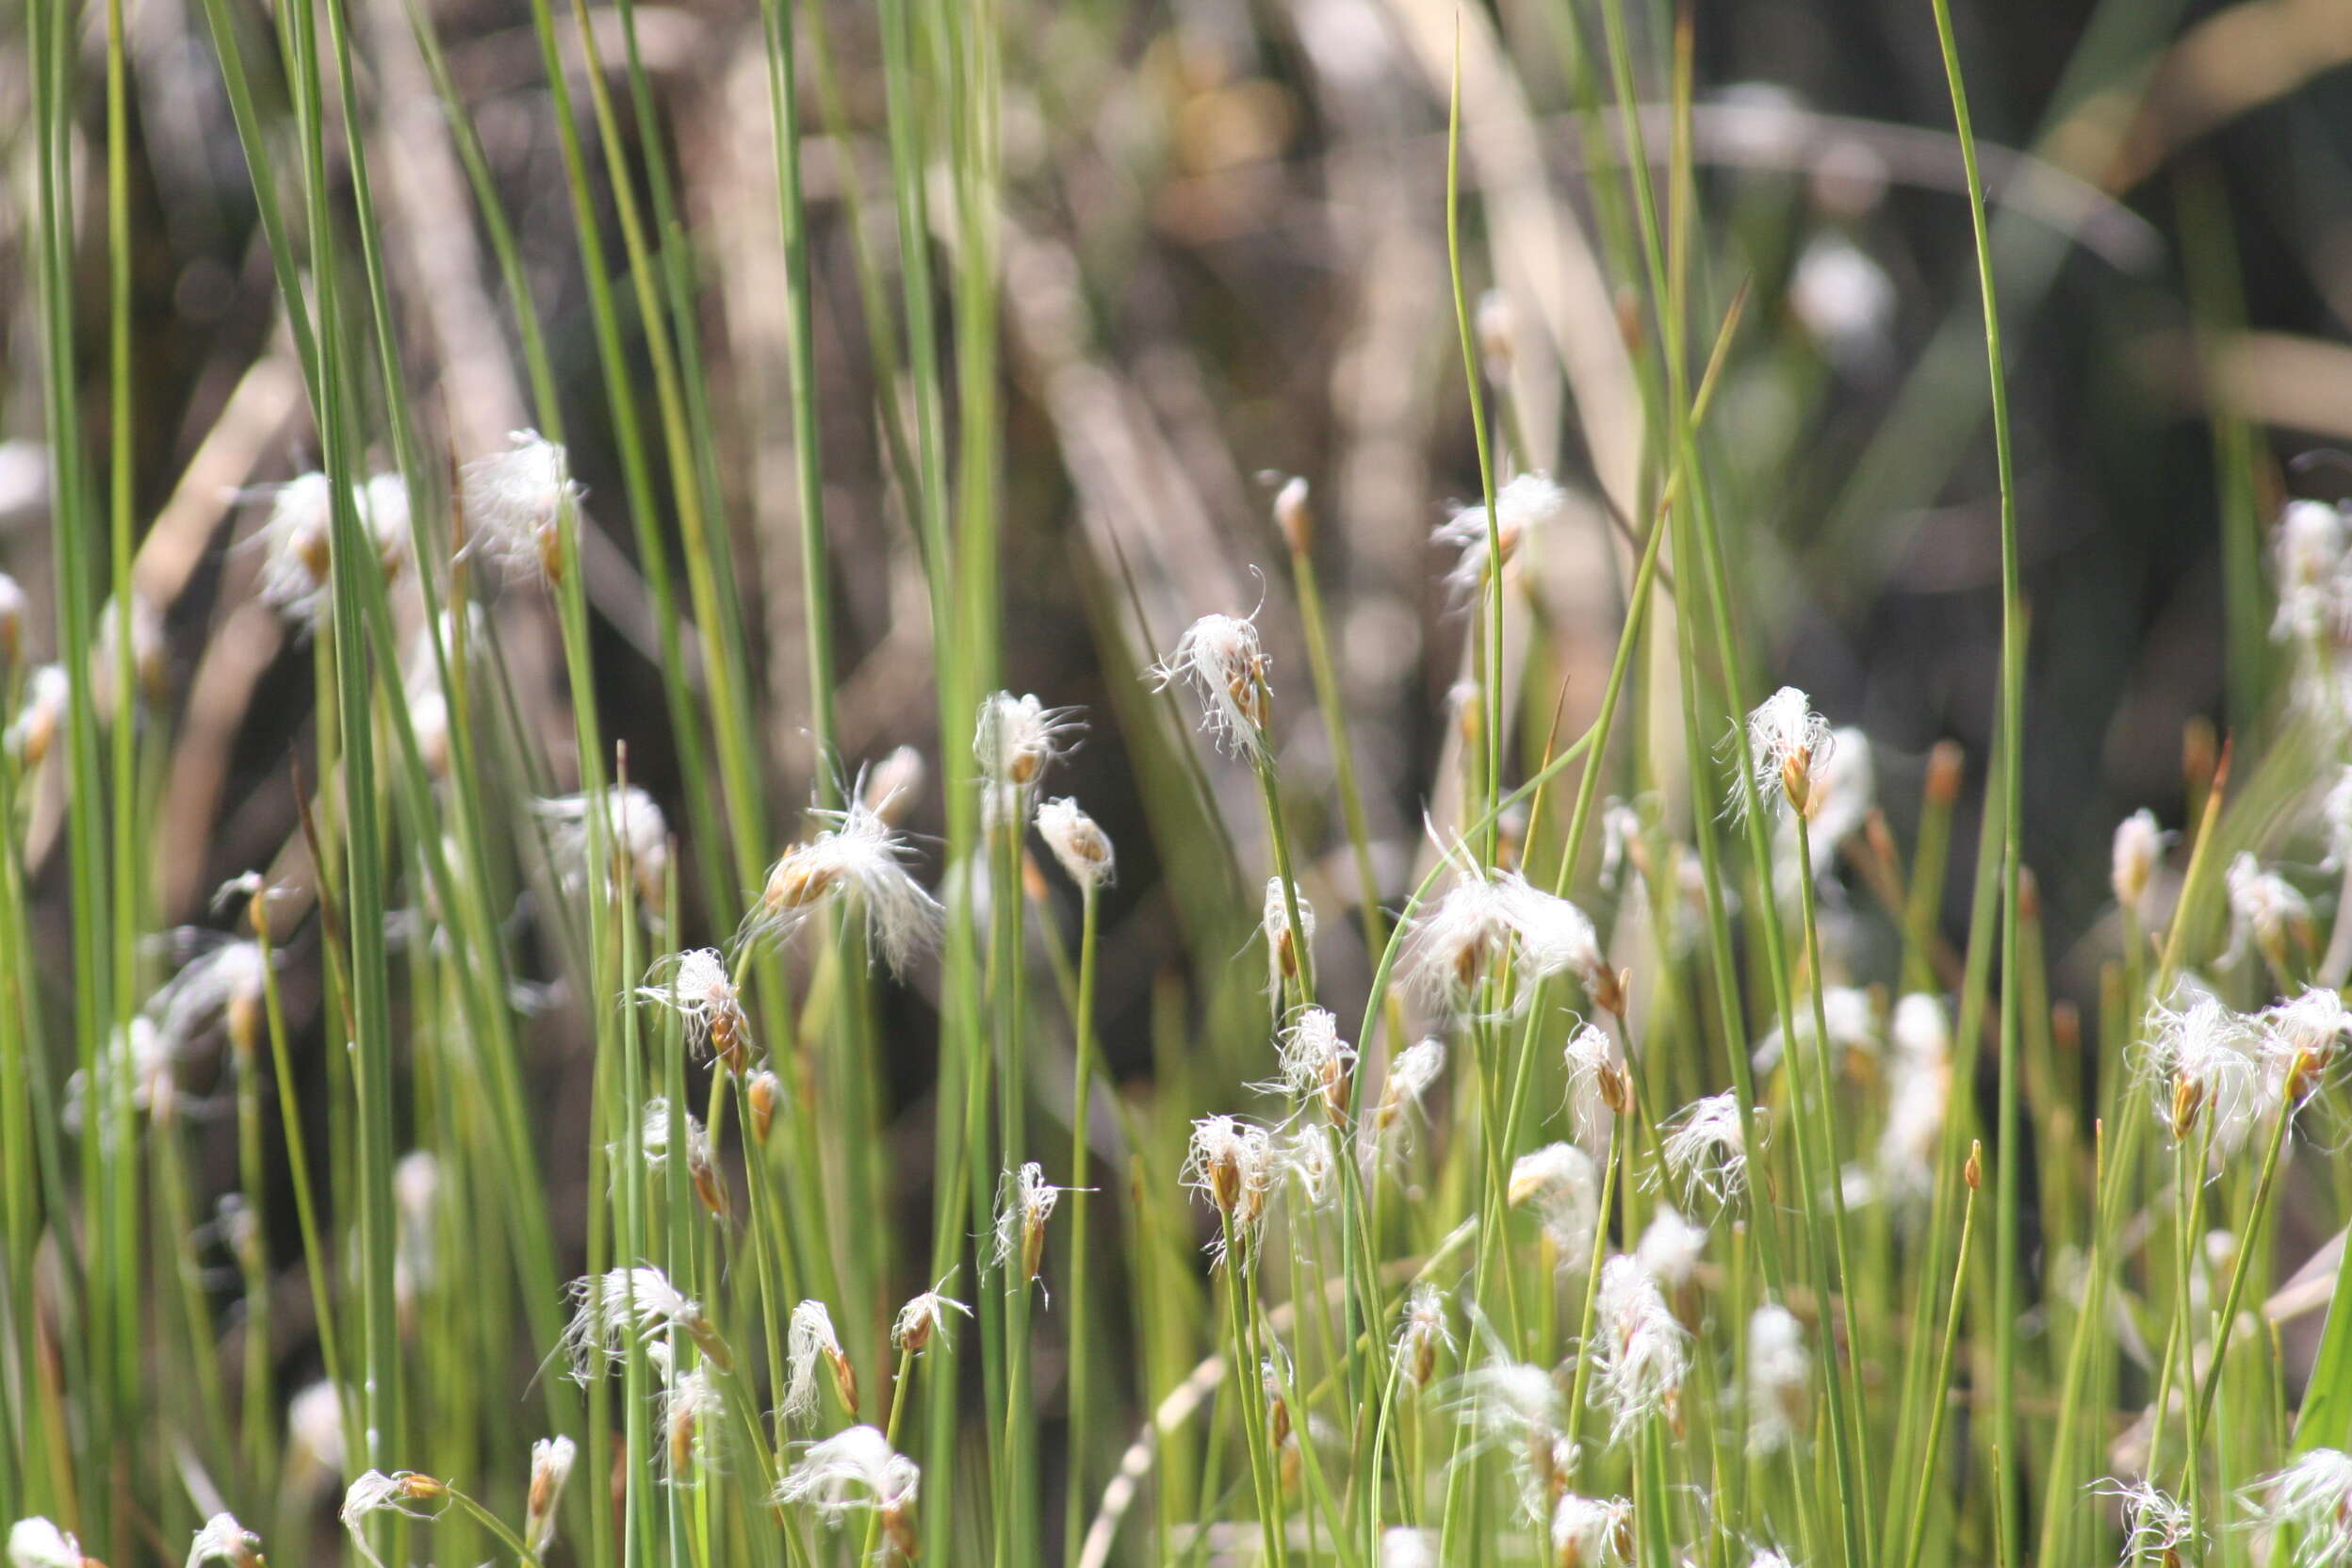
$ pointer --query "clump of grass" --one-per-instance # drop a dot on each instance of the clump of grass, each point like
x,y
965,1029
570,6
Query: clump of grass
x,y
1605,1190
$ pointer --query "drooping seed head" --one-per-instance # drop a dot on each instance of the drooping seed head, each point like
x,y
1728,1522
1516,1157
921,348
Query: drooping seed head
x,y
1220,657
1078,844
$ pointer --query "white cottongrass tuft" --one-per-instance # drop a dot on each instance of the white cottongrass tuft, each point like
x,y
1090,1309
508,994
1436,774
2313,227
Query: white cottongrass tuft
x,y
39,715
419,1497
2264,910
632,831
1024,1201
1285,947
1786,742
1423,1334
1218,656
696,985
2201,1062
2313,1498
691,1405
620,1302
1843,783
1078,842
2132,859
551,1461
2300,1039
1526,507
1014,740
1313,1062
924,1318
1564,1186
1599,1089
513,505
1853,1021
856,855
1918,1095
226,985
854,1471
1488,920
1706,1150
1232,1164
1670,1248
1593,1532
224,1540
1644,1352
1779,1367
1408,1546
39,1544
2308,556
1410,1075
297,541
2156,1525
809,1339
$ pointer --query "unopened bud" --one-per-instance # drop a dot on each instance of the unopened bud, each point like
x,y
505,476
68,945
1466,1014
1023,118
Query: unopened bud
x,y
1947,764
893,783
760,1094
1498,333
844,1378
2188,1098
1294,516
1973,1172
2029,895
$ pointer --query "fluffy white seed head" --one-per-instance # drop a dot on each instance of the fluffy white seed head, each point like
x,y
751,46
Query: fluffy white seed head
x,y
696,986
633,830
1786,742
1232,1165
1078,842
1853,1021
1015,740
2138,849
810,1340
855,855
40,1544
2308,554
514,502
1644,1352
1487,920
1593,1532
1670,1248
1526,508
1218,656
1600,1089
1843,783
924,1318
420,1496
1779,1367
1314,1061
1408,1546
2313,1498
1423,1334
621,1302
1706,1150
1286,950
2264,910
551,1461
1416,1068
224,986
856,1471
2301,1038
40,714
150,658
1025,1200
1563,1183
224,1540
2201,1062
2156,1525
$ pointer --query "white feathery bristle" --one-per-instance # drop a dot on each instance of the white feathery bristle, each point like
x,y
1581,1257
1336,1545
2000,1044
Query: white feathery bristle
x,y
1670,1248
2264,907
2156,1525
1786,742
515,501
2137,850
1564,1184
2308,555
1486,919
1644,1352
1526,507
1015,740
2200,1061
1283,946
1705,1149
923,1318
224,1540
1408,1546
810,1337
617,1303
1593,1073
1593,1532
2312,1496
853,1470
1078,842
1218,656
40,1544
1779,1368
855,855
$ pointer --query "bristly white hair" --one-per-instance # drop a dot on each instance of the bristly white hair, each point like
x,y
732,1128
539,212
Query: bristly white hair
x,y
1706,1150
513,504
1487,919
1644,1352
2156,1525
853,1470
1220,657
620,1302
1787,742
1779,1368
1526,507
2313,1498
855,855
